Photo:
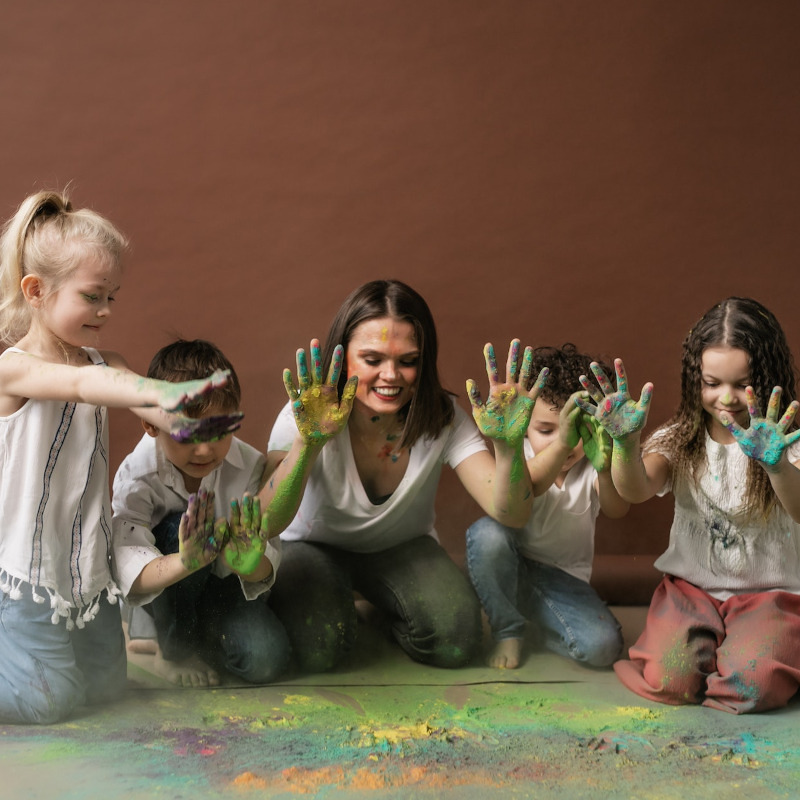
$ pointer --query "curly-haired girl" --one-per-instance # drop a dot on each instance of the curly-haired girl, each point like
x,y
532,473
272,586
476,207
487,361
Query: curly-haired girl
x,y
723,628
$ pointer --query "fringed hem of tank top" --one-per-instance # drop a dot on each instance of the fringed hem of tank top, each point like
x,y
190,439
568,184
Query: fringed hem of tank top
x,y
74,616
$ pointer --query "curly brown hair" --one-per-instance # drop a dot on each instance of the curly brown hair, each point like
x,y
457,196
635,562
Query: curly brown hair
x,y
744,324
566,366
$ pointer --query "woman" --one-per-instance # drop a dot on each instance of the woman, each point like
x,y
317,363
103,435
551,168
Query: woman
x,y
371,462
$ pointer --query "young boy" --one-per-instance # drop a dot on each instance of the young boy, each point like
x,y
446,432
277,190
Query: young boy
x,y
540,573
205,589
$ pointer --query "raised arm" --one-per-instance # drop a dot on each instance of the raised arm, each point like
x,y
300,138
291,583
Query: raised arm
x,y
319,415
501,486
766,440
637,479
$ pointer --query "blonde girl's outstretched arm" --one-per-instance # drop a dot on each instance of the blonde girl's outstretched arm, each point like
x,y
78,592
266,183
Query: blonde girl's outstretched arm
x,y
24,376
766,440
319,414
502,486
636,478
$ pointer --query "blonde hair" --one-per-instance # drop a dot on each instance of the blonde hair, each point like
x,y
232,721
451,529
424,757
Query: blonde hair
x,y
48,238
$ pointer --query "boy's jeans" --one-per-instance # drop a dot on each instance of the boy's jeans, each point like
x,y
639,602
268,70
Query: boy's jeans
x,y
565,610
46,671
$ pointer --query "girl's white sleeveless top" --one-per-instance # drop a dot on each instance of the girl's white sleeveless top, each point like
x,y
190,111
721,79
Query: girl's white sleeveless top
x,y
55,531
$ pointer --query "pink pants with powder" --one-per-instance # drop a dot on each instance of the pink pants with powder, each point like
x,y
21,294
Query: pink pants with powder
x,y
737,655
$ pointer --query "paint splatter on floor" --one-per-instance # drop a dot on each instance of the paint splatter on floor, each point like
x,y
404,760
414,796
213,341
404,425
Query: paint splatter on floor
x,y
551,730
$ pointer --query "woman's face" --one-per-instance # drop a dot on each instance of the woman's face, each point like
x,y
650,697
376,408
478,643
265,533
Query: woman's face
x,y
384,354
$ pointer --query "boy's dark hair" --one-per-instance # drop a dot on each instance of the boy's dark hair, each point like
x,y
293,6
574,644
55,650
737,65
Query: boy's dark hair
x,y
191,360
566,366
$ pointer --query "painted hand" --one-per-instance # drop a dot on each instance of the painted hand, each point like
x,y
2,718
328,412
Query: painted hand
x,y
766,439
569,420
200,538
248,535
615,411
318,411
597,444
506,414
176,396
204,429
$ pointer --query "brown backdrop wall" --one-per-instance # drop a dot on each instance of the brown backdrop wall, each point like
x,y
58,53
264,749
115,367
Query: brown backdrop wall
x,y
594,172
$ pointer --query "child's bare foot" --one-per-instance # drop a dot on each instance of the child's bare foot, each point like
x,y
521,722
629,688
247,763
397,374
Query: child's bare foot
x,y
506,654
146,647
191,672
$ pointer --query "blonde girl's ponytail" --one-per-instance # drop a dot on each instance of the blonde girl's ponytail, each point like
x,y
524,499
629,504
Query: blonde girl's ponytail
x,y
47,237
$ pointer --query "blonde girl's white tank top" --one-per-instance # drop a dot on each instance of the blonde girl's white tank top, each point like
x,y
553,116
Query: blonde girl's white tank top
x,y
55,506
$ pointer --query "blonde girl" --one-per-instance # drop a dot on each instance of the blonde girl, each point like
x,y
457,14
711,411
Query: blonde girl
x,y
61,641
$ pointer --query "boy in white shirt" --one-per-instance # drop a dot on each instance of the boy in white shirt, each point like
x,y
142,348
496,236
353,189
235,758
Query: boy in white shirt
x,y
540,573
206,593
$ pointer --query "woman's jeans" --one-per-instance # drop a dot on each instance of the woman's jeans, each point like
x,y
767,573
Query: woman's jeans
x,y
46,671
566,612
210,617
434,613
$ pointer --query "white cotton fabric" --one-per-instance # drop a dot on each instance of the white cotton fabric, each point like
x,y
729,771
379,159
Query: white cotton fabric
x,y
56,517
148,487
335,508
713,545
560,531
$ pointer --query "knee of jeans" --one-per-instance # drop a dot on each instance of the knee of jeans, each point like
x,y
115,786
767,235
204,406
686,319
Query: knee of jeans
x,y
603,648
486,536
56,700
260,664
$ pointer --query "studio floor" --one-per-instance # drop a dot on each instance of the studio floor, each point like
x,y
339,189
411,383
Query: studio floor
x,y
385,727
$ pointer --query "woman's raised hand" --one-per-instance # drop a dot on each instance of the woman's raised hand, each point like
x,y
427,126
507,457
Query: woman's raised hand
x,y
200,536
506,414
766,439
318,411
615,410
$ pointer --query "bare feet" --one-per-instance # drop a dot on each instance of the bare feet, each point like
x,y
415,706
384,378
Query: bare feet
x,y
147,647
191,672
506,654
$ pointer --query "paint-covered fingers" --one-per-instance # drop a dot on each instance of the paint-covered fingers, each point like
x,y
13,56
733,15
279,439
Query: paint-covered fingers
x,y
335,371
288,382
622,379
602,378
303,378
788,417
591,391
645,398
491,362
512,363
474,394
316,361
539,383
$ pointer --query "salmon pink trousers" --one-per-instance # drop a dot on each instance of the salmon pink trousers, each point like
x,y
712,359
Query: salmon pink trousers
x,y
738,655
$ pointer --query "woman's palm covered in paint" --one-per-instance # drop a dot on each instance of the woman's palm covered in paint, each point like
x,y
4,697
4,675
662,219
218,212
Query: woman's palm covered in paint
x,y
318,411
507,412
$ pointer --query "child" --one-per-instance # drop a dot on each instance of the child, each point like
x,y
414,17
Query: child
x,y
60,646
209,611
723,627
541,572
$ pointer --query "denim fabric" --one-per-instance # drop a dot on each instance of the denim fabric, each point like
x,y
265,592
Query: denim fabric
x,y
46,671
564,610
210,617
434,614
